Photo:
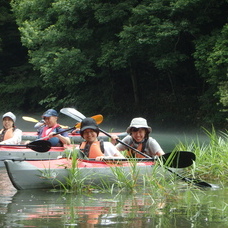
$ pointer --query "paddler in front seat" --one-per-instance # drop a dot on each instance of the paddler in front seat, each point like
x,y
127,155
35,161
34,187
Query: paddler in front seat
x,y
92,147
51,127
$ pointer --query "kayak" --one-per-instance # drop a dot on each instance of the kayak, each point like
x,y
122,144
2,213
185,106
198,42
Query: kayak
x,y
19,153
75,138
53,173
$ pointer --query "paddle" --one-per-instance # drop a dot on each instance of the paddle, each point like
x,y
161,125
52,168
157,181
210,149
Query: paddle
x,y
39,145
30,119
177,160
175,163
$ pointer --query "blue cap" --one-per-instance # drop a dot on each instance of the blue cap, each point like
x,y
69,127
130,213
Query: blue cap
x,y
50,112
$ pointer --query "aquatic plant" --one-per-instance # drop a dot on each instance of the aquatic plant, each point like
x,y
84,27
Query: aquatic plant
x,y
211,157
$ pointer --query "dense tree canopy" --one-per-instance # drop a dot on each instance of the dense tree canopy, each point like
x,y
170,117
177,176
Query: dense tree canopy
x,y
165,59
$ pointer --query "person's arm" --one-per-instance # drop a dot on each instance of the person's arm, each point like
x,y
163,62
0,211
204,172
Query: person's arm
x,y
154,147
62,137
127,140
110,151
16,139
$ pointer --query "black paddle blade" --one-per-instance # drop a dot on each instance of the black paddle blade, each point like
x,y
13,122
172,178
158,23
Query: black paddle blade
x,y
198,183
178,159
40,145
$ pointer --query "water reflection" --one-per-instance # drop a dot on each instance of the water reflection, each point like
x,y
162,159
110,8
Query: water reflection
x,y
42,208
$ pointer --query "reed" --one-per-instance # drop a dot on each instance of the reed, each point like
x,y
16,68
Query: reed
x,y
211,157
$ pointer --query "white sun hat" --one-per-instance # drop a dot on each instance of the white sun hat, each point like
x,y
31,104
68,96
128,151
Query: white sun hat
x,y
139,122
10,115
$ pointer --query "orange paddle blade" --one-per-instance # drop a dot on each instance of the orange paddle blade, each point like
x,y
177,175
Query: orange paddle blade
x,y
97,118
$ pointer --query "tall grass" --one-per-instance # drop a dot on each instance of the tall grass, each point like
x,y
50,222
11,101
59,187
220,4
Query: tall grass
x,y
211,157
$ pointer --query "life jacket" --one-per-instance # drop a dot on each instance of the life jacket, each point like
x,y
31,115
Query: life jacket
x,y
92,150
47,130
141,147
6,134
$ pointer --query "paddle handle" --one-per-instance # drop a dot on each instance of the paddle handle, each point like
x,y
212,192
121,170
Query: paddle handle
x,y
69,129
125,144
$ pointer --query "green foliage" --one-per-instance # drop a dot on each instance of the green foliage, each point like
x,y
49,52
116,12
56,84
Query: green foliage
x,y
211,61
141,51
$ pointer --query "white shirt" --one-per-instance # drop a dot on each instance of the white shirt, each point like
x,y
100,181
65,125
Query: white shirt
x,y
16,139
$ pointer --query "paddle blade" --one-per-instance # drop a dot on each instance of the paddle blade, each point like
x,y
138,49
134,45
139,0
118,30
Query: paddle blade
x,y
30,119
178,159
97,118
73,113
39,146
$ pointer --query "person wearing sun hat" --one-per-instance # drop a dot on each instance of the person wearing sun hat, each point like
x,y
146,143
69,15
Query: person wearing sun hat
x,y
51,127
92,147
139,139
9,134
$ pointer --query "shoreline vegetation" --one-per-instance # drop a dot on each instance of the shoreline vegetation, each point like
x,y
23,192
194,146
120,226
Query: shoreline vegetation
x,y
211,157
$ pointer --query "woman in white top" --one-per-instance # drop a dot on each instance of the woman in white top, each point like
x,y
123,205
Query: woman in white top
x,y
9,134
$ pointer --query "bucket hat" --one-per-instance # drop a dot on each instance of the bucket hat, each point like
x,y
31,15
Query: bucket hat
x,y
50,112
138,122
89,123
10,115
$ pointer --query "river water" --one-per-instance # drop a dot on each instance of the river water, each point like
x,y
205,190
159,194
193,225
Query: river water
x,y
189,207
45,208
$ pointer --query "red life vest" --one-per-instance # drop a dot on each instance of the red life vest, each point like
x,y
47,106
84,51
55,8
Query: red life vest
x,y
47,130
7,134
92,150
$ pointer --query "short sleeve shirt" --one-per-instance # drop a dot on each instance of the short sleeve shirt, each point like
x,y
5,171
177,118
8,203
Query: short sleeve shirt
x,y
151,148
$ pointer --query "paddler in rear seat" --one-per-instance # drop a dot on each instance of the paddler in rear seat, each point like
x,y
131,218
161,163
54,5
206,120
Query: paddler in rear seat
x,y
139,139
92,147
10,134
51,127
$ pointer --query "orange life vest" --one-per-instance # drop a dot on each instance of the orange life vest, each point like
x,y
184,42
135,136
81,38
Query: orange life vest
x,y
131,153
7,134
141,147
92,150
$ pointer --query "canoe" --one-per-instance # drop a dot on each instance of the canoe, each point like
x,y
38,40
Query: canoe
x,y
20,153
75,138
51,174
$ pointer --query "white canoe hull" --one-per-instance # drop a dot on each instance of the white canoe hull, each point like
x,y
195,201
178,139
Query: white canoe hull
x,y
51,174
20,154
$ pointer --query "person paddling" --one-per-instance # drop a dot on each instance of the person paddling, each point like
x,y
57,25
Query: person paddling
x,y
92,147
9,134
139,139
51,127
